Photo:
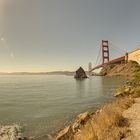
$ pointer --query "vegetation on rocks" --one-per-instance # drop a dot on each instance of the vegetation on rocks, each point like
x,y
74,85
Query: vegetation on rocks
x,y
133,86
107,123
125,69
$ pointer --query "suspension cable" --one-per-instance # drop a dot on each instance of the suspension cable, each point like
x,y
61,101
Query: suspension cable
x,y
98,57
122,51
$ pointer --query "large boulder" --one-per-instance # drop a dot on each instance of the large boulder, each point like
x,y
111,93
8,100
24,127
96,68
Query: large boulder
x,y
80,73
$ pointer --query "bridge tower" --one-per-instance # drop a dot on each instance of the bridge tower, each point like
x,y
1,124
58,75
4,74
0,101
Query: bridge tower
x,y
105,51
89,66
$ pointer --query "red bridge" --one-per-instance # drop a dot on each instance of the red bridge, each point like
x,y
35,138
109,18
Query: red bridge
x,y
106,57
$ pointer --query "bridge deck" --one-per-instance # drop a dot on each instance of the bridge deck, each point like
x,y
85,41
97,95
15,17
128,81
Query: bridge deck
x,y
114,61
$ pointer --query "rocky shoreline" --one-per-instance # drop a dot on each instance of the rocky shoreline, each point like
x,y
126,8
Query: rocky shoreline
x,y
71,132
90,125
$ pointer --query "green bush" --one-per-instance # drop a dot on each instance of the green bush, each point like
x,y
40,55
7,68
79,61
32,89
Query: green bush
x,y
137,92
136,78
124,90
133,87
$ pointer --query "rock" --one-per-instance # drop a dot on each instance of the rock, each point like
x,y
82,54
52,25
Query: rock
x,y
68,132
81,120
80,73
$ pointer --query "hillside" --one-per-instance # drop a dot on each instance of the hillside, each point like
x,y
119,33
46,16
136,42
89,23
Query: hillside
x,y
126,70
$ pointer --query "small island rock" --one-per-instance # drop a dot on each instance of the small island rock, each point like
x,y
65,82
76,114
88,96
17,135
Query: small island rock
x,y
80,74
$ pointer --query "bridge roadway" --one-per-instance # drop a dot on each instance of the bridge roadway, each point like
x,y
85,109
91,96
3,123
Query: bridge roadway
x,y
114,61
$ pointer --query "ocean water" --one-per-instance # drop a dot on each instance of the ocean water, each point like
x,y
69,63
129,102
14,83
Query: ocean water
x,y
43,104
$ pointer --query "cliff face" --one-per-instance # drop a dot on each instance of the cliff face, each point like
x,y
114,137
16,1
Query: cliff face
x,y
121,69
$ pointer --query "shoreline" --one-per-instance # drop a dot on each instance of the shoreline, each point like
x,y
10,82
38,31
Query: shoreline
x,y
126,93
101,124
79,128
83,123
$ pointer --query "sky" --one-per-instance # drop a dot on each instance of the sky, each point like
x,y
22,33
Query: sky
x,y
51,35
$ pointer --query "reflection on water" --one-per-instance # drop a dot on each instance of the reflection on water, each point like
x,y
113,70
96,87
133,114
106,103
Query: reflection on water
x,y
80,87
44,104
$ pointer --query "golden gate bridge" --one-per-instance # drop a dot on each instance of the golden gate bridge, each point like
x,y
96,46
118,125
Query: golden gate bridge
x,y
105,53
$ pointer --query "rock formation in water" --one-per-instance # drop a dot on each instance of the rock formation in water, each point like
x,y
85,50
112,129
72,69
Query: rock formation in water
x,y
80,73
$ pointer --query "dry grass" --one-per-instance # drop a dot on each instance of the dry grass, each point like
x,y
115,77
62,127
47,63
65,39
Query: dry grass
x,y
108,123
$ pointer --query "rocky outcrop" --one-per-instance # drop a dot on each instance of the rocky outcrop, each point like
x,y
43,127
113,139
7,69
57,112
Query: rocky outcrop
x,y
106,69
68,132
126,70
80,74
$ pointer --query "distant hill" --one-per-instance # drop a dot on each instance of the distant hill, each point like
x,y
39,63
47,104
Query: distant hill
x,y
40,73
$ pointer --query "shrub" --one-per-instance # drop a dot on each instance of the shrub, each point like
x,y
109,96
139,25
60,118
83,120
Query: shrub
x,y
124,90
136,78
137,92
108,123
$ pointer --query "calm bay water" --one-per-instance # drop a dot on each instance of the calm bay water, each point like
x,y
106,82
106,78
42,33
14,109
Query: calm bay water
x,y
44,103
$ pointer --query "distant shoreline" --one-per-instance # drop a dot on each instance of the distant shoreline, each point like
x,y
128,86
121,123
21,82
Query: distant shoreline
x,y
39,73
67,73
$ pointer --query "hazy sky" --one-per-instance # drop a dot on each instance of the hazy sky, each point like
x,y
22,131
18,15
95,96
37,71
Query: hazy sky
x,y
47,35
